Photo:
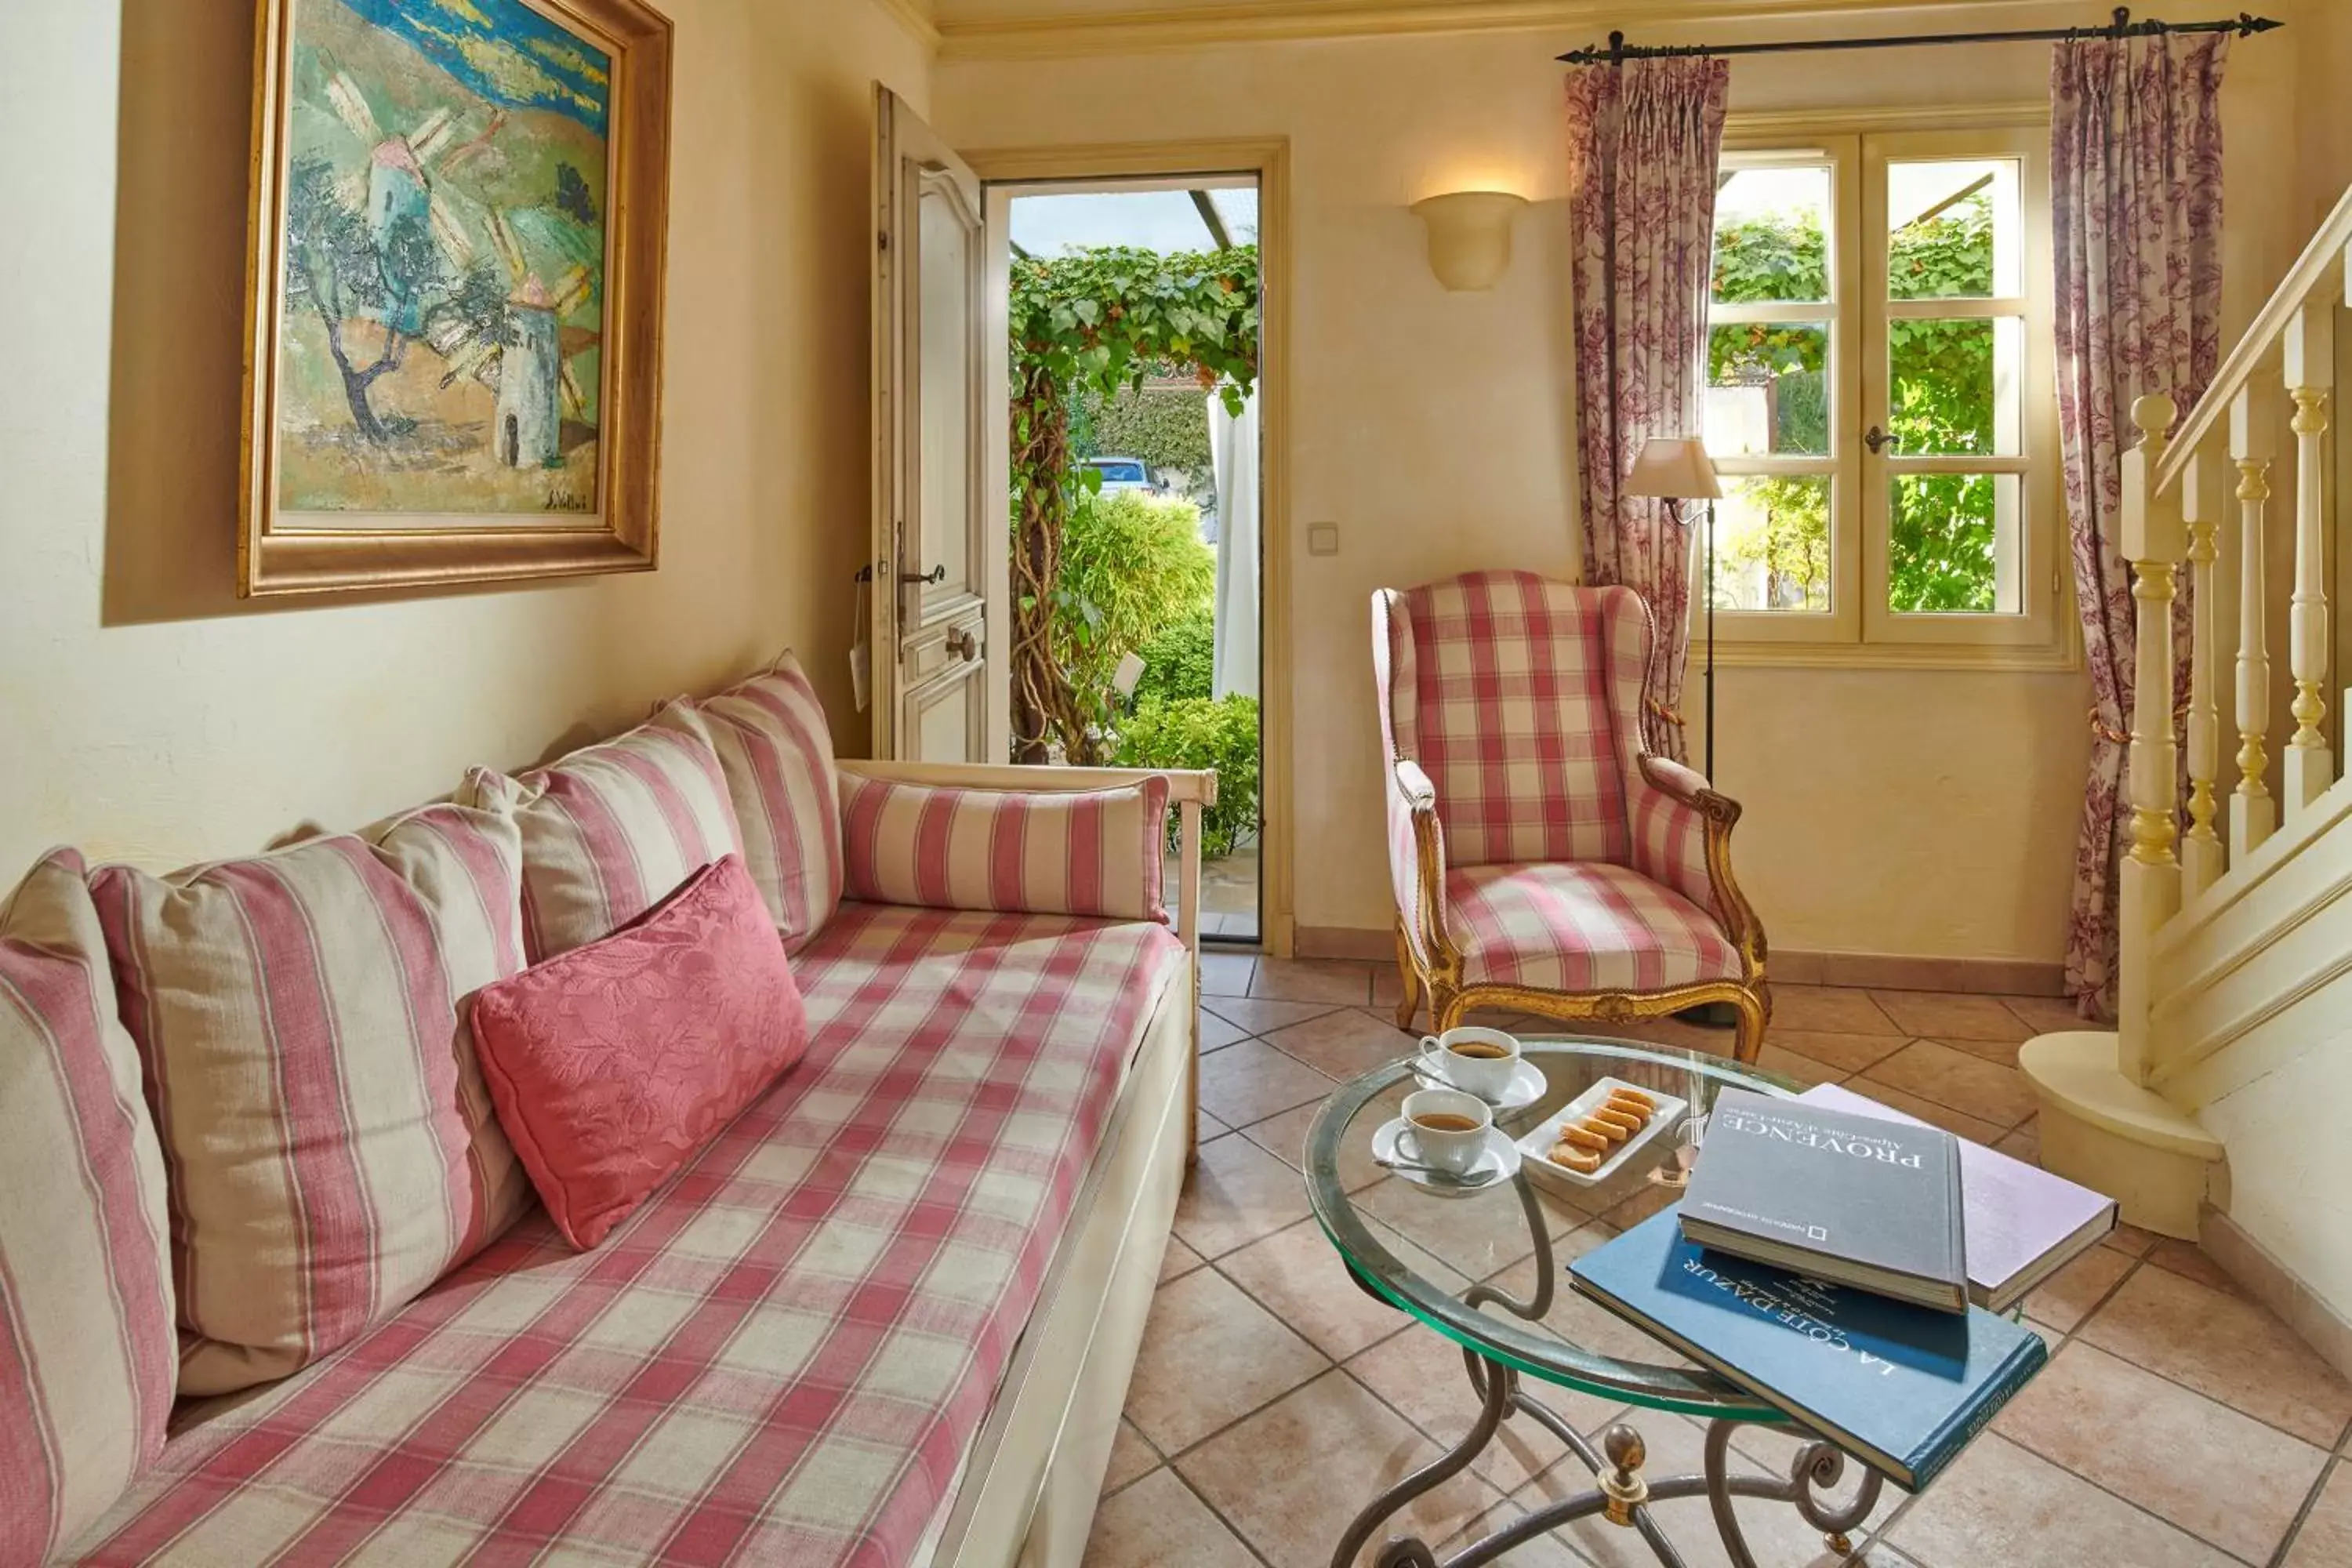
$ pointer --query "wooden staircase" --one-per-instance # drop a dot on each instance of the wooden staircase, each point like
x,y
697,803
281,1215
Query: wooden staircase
x,y
2221,1096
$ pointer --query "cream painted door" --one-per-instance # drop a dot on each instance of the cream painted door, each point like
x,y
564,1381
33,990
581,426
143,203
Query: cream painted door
x,y
941,487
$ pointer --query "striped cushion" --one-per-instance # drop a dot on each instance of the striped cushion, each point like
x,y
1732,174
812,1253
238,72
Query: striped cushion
x,y
330,1143
1505,699
1081,852
611,830
86,1351
773,745
1581,928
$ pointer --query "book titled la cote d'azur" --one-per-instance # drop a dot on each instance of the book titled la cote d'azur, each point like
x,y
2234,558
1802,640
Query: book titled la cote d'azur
x,y
1901,1387
1852,1199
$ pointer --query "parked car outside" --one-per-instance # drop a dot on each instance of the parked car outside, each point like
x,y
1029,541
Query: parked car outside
x,y
1126,473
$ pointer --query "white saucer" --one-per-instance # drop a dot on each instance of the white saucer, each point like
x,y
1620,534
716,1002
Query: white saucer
x,y
1501,1156
1527,1086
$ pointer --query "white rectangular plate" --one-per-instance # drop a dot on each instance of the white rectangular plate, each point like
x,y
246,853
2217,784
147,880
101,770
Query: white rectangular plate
x,y
1537,1145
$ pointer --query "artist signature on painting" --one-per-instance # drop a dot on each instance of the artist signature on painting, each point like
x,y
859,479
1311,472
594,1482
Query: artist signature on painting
x,y
563,498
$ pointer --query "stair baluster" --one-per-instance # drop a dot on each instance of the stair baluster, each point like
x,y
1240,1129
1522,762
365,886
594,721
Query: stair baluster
x,y
2201,849
2155,538
2253,810
2310,377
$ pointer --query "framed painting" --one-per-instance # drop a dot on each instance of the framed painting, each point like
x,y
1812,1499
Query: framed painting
x,y
455,295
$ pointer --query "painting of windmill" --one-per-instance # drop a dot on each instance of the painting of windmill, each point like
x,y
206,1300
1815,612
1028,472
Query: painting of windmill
x,y
444,249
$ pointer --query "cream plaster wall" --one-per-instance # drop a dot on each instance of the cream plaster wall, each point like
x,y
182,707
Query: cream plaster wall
x,y
1916,812
146,713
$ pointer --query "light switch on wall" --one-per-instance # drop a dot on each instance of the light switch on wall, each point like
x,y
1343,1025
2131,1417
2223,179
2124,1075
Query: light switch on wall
x,y
1322,539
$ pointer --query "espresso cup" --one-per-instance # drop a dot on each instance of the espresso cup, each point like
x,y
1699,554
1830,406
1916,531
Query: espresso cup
x,y
1479,1060
1449,1128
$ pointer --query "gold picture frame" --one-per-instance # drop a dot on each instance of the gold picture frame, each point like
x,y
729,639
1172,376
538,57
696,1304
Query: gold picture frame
x,y
453,293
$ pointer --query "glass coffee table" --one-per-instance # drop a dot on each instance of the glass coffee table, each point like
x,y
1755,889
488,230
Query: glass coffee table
x,y
1509,1344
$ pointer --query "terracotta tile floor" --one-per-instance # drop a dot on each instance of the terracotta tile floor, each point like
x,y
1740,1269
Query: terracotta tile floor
x,y
2179,1424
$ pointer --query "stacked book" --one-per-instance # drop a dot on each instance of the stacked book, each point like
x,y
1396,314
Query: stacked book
x,y
1853,1267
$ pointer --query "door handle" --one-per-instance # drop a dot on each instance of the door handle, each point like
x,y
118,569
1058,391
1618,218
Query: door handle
x,y
963,644
1878,440
936,575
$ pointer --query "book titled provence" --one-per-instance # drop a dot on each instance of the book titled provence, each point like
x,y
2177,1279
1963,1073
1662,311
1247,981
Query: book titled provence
x,y
1901,1388
1857,1200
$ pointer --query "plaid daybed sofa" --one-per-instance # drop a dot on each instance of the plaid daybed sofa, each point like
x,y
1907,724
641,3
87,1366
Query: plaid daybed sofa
x,y
885,1317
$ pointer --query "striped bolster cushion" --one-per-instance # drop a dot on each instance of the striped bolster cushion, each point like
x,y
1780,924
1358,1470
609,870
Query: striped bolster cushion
x,y
1087,852
86,1346
773,745
332,1146
611,830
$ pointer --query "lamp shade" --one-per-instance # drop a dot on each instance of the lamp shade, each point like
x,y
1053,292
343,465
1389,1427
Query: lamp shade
x,y
1469,236
1675,466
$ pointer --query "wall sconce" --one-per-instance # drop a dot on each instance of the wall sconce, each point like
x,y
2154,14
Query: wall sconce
x,y
1469,236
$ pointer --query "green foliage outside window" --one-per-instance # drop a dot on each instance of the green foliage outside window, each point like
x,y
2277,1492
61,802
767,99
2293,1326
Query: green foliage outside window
x,y
1941,552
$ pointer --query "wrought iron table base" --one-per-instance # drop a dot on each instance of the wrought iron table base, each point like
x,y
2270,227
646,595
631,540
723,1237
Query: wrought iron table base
x,y
1621,1493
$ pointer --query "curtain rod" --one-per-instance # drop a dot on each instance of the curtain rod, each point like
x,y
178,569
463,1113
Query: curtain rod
x,y
2245,25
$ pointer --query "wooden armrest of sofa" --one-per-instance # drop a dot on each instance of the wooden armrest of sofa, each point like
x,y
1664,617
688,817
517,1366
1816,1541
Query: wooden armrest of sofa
x,y
1184,784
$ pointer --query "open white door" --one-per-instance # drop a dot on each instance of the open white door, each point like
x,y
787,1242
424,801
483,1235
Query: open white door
x,y
941,615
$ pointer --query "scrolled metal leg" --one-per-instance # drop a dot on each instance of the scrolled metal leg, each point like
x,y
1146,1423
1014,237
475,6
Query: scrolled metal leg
x,y
1817,1466
1501,1384
1479,1295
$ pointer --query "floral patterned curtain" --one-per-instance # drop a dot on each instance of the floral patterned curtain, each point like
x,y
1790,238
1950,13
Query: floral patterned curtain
x,y
2135,198
1644,136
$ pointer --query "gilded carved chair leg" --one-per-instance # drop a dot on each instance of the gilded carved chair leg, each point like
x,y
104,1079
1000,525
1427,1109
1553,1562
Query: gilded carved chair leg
x,y
1747,1043
1410,975
1447,1008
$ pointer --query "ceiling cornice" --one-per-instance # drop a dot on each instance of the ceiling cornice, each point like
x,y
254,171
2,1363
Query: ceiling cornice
x,y
916,16
1275,21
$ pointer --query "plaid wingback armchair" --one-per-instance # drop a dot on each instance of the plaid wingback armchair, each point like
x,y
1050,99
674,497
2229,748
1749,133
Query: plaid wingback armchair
x,y
1543,859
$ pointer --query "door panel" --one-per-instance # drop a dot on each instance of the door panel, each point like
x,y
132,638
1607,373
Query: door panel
x,y
939,327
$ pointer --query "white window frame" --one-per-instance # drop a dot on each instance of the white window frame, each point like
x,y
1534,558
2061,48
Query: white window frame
x,y
1860,630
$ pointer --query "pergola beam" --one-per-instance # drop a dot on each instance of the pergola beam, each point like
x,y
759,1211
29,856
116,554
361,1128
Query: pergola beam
x,y
1214,218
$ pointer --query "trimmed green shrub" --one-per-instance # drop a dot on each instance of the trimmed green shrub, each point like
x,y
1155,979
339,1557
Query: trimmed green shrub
x,y
1131,565
1181,661
1168,427
1218,734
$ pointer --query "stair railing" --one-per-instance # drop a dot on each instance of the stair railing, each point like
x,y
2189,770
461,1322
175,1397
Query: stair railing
x,y
2178,486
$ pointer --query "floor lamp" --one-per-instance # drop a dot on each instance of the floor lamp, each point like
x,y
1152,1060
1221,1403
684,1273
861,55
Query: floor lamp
x,y
1674,469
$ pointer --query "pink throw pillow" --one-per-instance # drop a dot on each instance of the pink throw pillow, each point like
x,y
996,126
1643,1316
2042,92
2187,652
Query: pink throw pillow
x,y
612,1064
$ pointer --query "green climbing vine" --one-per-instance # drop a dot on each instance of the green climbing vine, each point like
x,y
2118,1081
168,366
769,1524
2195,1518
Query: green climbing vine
x,y
1940,554
1093,322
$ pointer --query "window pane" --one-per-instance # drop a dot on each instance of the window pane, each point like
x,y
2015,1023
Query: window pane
x,y
1772,227
1955,230
1952,544
1955,387
1768,390
1772,544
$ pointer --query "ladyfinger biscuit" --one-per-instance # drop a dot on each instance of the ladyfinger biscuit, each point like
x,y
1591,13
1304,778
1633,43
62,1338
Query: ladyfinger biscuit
x,y
1582,1161
1630,1124
1583,1140
1614,1131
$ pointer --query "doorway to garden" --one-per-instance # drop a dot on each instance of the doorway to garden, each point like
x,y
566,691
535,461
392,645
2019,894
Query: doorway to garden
x,y
1138,496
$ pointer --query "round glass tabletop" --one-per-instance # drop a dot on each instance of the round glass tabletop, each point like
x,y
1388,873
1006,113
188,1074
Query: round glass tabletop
x,y
1426,1248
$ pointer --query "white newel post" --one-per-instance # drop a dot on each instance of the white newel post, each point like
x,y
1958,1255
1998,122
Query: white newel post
x,y
2155,538
2200,507
2310,375
2253,810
